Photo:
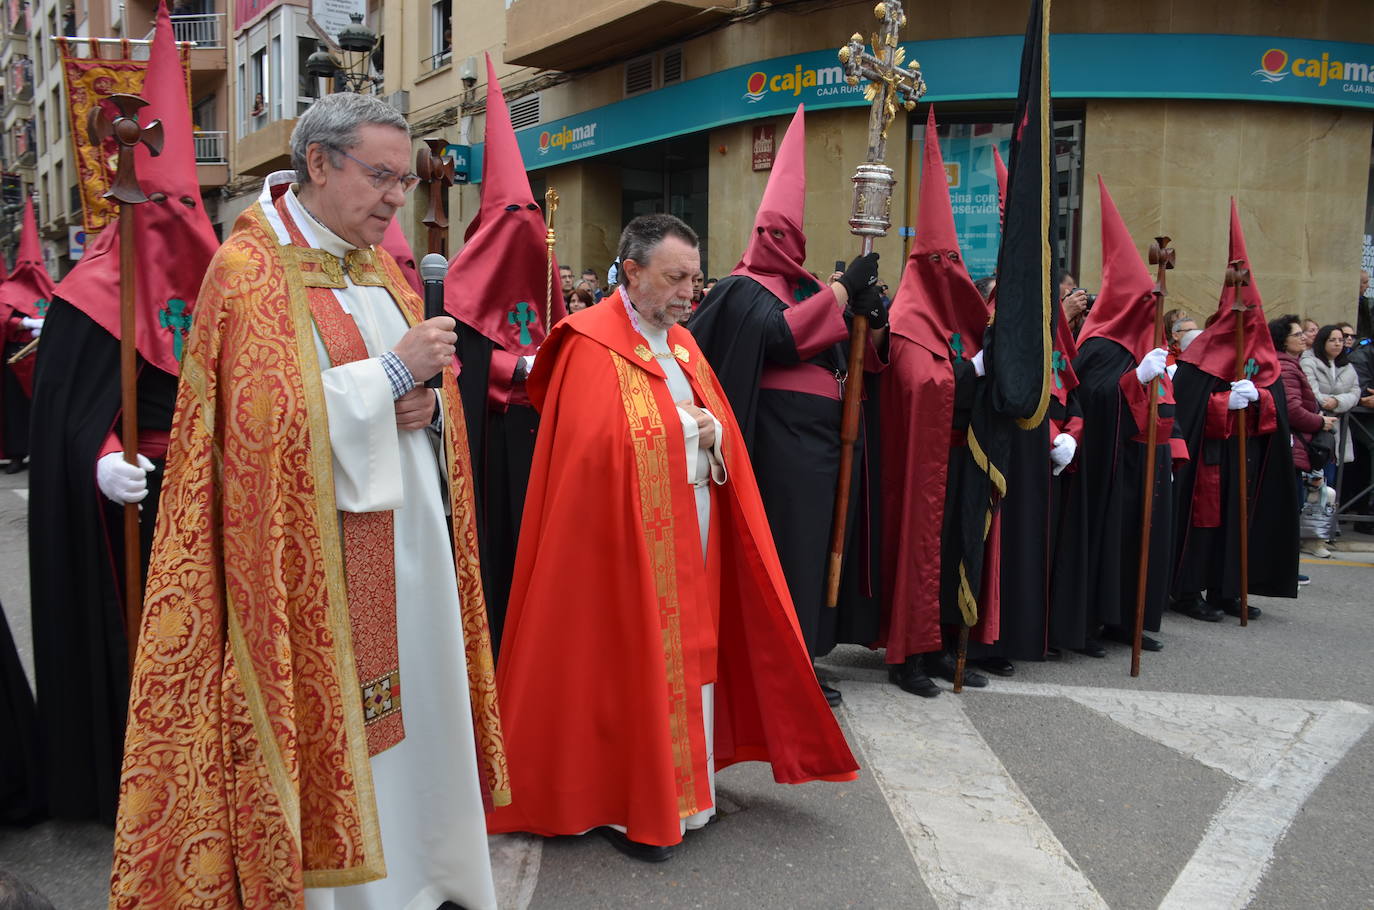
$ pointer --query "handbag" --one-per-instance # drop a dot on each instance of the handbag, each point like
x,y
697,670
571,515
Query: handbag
x,y
1321,447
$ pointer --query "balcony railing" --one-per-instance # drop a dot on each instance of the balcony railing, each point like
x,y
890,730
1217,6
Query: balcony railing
x,y
204,30
210,147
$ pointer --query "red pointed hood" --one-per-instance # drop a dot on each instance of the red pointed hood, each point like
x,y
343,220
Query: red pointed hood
x,y
779,263
1214,351
398,246
29,287
499,282
174,237
937,305
1125,307
1001,167
1061,360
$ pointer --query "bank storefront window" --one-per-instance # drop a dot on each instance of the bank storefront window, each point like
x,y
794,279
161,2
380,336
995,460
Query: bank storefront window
x,y
966,142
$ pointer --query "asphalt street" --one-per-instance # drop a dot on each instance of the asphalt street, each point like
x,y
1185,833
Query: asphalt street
x,y
1233,772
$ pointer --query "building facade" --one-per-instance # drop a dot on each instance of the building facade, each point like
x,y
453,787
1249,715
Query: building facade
x,y
629,106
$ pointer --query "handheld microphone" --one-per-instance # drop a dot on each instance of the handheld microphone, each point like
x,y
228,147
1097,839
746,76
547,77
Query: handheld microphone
x,y
432,270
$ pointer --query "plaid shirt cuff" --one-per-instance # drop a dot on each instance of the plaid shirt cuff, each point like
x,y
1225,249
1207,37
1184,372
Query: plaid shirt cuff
x,y
401,379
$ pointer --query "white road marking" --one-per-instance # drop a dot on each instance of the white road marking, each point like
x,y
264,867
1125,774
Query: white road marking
x,y
22,493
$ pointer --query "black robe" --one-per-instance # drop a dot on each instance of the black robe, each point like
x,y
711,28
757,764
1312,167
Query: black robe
x,y
1115,473
14,405
794,445
21,779
76,546
1209,558
502,448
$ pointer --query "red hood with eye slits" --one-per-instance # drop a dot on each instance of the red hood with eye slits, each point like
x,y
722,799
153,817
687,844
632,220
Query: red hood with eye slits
x,y
937,304
500,283
173,240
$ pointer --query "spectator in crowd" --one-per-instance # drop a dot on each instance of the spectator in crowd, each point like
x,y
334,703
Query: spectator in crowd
x,y
1362,307
594,285
1347,335
1074,299
1304,415
1334,382
706,288
1180,324
985,285
698,290
581,299
1310,327
259,106
565,277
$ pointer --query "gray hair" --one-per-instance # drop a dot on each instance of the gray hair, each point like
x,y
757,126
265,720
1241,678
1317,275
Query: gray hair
x,y
642,234
333,122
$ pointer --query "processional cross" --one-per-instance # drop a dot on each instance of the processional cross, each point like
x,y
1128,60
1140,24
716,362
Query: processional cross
x,y
436,171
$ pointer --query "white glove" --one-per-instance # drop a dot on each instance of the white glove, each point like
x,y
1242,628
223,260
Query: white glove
x,y
528,360
1243,392
977,362
1152,366
121,482
30,322
1062,452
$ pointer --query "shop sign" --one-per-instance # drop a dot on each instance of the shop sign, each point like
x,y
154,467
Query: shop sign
x,y
765,147
462,161
1212,67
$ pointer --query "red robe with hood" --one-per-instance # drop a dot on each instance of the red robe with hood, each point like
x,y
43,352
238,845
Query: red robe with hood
x,y
76,534
27,292
938,318
1119,331
496,288
616,621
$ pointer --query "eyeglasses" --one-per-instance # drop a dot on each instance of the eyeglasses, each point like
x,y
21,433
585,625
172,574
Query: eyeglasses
x,y
1348,335
1298,334
383,179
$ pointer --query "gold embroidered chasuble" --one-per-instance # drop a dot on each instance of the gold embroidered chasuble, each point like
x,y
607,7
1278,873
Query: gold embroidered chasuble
x,y
246,773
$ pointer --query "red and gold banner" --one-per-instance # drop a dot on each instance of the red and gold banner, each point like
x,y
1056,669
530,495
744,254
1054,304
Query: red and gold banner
x,y
90,80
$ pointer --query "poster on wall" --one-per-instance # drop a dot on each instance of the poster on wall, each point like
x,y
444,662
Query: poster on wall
x,y
333,15
972,180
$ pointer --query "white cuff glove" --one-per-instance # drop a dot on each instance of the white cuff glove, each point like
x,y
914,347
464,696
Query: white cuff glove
x,y
121,482
977,362
1243,392
528,360
1152,365
30,322
1062,451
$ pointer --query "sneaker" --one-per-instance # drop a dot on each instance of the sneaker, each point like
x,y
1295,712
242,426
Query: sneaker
x,y
1304,580
1321,551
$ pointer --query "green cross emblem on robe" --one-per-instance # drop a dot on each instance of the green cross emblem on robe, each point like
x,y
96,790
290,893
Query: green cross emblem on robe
x,y
174,318
1251,368
522,315
41,306
1058,363
956,344
805,288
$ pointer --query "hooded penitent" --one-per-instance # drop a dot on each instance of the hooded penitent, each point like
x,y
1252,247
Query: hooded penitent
x,y
1125,307
937,304
499,283
174,238
1214,351
779,263
29,287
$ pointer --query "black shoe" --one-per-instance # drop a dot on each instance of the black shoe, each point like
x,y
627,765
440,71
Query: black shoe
x,y
832,695
1196,608
1092,648
997,666
942,665
15,466
1054,654
1232,608
912,679
645,853
1117,633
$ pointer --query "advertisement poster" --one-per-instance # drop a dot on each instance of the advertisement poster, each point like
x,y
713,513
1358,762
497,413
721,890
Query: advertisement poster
x,y
972,180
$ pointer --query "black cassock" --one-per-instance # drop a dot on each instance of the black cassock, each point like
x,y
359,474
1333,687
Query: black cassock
x,y
1114,466
21,778
76,558
14,404
1208,558
794,445
501,443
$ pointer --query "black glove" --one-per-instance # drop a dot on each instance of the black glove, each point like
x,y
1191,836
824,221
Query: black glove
x,y
862,273
869,302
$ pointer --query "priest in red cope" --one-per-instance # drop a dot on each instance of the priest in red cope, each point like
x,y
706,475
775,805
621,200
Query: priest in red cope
x,y
938,318
650,640
24,299
496,289
1118,355
1209,396
779,343
80,480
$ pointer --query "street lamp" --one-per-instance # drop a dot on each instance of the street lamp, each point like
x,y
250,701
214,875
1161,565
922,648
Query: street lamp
x,y
357,41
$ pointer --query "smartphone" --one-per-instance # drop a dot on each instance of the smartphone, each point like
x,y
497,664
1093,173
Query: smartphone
x,y
839,265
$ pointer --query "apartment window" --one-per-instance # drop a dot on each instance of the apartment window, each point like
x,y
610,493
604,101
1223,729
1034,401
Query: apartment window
x,y
307,86
257,108
274,93
42,201
441,32
55,109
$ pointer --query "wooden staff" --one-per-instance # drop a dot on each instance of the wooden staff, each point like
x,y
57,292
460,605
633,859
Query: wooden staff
x,y
435,170
128,133
550,206
26,351
1162,256
1237,277
890,86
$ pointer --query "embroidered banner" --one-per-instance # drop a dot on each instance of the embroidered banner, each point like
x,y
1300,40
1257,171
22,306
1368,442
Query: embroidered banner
x,y
90,80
